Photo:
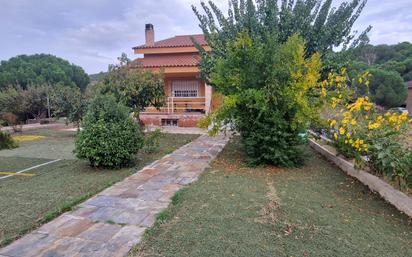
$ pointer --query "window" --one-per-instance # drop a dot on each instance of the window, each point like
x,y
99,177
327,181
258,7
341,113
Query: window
x,y
169,122
185,88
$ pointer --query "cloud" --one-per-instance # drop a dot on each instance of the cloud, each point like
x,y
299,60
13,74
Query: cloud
x,y
93,33
390,21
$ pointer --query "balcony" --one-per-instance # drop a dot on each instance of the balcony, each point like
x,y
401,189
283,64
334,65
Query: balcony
x,y
180,105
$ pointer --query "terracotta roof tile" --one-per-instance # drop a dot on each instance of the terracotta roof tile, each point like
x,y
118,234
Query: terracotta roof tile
x,y
168,60
177,41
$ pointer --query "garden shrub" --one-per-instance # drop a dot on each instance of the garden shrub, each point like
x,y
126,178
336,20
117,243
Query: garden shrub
x,y
152,141
6,141
3,123
267,136
392,159
110,137
359,130
268,92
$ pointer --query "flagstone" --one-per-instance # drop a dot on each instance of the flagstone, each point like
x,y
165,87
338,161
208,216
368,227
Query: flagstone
x,y
72,228
28,246
186,181
131,217
100,232
128,235
81,211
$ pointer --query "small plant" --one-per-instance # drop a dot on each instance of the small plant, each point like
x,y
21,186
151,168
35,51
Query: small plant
x,y
110,137
392,159
152,141
6,141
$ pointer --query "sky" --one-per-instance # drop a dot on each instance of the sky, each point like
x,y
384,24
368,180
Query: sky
x,y
92,33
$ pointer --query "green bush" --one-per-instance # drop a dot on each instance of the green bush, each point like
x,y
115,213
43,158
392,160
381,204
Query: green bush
x,y
110,137
6,141
389,157
152,141
268,137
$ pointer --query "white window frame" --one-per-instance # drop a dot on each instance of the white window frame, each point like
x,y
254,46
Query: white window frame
x,y
185,88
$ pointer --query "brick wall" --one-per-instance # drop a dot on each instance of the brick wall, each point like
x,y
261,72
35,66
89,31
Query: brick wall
x,y
183,120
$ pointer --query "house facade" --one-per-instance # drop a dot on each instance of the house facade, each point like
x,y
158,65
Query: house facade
x,y
188,98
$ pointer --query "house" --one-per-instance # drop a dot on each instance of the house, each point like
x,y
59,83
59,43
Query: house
x,y
409,99
188,98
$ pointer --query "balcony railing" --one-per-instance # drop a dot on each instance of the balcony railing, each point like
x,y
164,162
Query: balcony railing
x,y
175,105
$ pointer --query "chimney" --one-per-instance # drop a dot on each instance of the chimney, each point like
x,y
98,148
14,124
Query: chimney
x,y
149,35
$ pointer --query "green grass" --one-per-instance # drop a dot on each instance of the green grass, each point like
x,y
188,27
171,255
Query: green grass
x,y
58,144
235,210
27,202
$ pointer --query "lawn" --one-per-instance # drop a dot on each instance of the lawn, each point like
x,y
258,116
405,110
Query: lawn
x,y
316,210
26,202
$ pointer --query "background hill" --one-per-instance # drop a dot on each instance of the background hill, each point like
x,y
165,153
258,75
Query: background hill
x,y
397,58
390,67
97,76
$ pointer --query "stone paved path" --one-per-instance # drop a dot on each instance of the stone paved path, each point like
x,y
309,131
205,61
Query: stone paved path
x,y
110,223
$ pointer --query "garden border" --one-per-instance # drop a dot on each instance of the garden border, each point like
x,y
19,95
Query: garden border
x,y
393,196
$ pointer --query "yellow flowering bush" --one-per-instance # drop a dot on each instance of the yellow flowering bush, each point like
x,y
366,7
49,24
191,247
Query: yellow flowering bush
x,y
357,125
358,129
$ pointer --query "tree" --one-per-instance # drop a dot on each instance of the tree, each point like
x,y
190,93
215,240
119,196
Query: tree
x,y
269,97
25,104
367,54
38,69
398,67
387,88
110,137
36,100
388,57
97,76
407,75
69,102
321,26
12,101
266,72
132,85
